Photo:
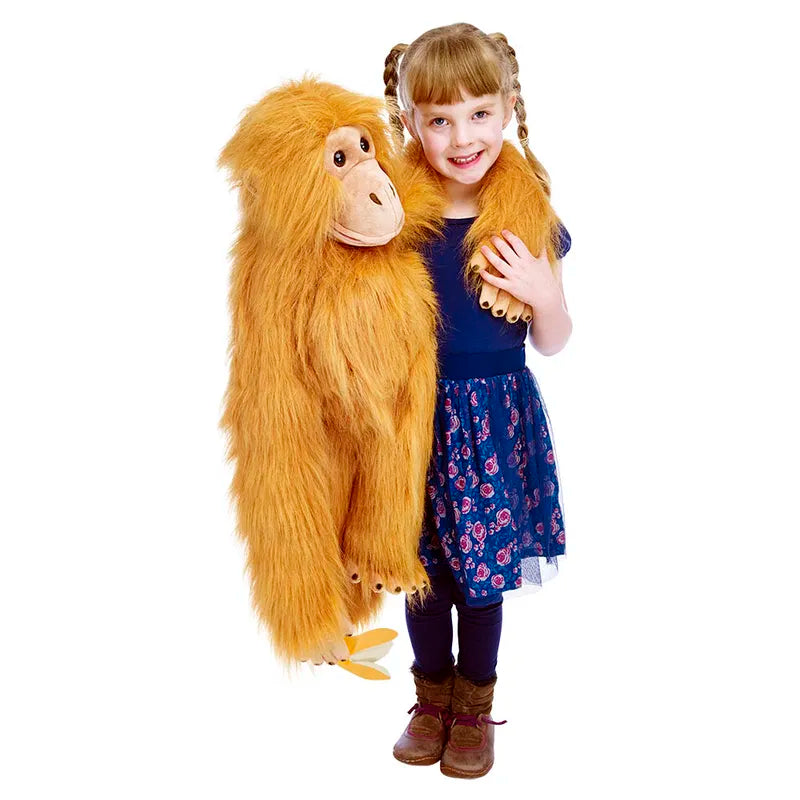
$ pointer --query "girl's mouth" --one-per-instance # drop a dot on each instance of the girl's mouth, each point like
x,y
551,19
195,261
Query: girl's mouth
x,y
463,163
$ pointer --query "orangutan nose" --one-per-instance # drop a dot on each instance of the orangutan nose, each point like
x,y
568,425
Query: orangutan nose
x,y
374,199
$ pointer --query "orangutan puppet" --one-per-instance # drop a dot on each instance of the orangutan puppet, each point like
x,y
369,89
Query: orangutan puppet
x,y
330,402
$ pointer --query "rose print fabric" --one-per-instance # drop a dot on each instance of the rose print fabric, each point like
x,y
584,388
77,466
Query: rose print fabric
x,y
493,512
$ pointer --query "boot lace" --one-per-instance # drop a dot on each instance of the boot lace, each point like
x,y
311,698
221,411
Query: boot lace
x,y
472,719
434,710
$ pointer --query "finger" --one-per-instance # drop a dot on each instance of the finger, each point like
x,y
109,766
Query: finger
x,y
336,652
498,263
376,583
505,249
501,304
520,248
527,314
347,626
488,292
340,652
514,311
495,280
488,295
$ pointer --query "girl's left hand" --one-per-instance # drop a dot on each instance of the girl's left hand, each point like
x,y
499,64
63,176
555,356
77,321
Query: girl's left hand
x,y
530,279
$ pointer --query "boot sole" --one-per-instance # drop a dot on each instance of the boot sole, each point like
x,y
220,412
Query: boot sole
x,y
451,772
425,761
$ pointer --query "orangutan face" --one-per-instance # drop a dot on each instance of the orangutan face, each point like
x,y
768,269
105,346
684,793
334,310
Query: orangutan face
x,y
372,214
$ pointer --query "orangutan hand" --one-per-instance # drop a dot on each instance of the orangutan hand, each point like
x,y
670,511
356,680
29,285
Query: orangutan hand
x,y
334,649
499,300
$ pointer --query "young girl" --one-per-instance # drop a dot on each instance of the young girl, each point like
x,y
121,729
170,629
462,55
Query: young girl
x,y
493,516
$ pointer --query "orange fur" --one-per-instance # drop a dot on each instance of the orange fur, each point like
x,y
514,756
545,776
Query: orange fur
x,y
511,197
330,402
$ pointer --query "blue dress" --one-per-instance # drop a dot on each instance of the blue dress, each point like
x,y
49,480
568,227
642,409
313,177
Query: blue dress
x,y
493,511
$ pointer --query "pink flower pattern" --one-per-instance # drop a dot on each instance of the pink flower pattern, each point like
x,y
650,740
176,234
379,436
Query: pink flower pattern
x,y
492,494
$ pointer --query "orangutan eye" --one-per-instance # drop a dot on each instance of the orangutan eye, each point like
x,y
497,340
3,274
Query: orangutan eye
x,y
364,145
338,158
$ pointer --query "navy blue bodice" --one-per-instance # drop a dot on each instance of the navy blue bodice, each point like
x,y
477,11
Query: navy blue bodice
x,y
467,328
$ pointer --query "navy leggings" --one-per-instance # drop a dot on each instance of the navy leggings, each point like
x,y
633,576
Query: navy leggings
x,y
431,632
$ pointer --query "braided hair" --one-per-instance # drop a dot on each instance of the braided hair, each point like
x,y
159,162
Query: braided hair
x,y
438,63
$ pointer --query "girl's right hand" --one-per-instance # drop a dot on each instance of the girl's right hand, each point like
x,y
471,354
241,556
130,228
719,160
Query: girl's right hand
x,y
498,301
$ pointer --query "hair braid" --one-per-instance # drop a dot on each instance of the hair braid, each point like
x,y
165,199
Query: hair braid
x,y
519,108
390,79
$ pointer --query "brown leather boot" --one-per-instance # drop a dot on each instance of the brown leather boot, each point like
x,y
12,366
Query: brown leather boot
x,y
425,735
470,747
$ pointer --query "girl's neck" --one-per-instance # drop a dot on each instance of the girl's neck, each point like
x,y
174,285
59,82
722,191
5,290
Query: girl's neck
x,y
463,200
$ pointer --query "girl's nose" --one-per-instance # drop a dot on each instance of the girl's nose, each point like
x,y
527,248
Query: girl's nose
x,y
461,136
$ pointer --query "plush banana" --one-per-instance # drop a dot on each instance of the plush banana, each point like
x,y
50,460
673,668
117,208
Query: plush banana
x,y
365,650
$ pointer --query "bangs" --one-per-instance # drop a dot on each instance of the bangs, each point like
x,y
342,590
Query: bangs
x,y
438,75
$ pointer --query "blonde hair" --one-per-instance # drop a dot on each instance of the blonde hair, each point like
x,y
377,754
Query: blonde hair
x,y
441,62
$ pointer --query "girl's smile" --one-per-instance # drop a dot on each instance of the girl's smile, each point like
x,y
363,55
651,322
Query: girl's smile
x,y
464,162
461,140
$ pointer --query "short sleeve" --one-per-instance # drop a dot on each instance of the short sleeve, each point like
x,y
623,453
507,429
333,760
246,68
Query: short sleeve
x,y
565,241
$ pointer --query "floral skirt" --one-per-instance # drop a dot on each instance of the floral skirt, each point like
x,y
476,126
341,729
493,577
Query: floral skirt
x,y
493,510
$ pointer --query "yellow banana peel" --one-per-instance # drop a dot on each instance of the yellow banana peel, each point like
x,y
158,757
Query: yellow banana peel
x,y
365,650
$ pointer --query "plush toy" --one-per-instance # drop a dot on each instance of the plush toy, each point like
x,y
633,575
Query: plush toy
x,y
330,401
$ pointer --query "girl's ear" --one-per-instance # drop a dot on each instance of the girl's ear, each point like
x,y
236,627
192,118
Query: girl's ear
x,y
509,109
409,125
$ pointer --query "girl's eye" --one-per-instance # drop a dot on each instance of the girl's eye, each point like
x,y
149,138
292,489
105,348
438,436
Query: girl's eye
x,y
482,112
338,158
364,145
434,121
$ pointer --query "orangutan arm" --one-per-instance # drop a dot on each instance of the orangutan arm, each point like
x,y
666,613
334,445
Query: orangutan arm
x,y
513,200
381,535
282,487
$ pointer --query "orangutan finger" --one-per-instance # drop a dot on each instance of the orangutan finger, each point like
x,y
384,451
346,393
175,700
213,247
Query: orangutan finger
x,y
502,303
488,295
515,308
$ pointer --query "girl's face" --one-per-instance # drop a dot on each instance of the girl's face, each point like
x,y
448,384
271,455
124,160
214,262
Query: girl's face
x,y
471,130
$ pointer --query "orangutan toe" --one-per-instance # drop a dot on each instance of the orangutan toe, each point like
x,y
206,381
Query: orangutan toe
x,y
352,571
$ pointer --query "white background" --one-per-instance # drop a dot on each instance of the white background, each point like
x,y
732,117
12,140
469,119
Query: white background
x,y
659,663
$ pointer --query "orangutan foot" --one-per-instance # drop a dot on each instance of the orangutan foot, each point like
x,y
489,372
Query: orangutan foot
x,y
384,582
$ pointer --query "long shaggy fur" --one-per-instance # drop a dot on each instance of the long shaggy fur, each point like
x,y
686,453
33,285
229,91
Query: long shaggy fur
x,y
330,402
511,197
